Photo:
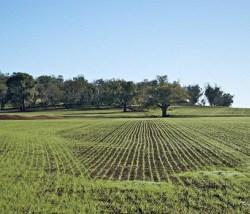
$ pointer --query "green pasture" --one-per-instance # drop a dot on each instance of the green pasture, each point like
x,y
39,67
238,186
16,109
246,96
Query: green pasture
x,y
106,161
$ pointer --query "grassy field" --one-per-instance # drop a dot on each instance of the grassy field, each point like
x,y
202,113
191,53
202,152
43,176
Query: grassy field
x,y
105,161
116,113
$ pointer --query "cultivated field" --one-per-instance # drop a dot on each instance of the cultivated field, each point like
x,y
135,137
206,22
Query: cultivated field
x,y
108,162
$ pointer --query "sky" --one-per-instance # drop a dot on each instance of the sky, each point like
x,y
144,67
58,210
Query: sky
x,y
190,41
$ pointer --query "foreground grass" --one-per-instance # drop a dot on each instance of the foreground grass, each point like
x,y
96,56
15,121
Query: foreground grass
x,y
52,166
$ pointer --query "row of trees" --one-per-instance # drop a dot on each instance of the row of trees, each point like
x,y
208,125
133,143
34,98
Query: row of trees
x,y
21,90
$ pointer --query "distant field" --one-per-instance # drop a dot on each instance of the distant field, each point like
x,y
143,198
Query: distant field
x,y
105,161
151,113
209,111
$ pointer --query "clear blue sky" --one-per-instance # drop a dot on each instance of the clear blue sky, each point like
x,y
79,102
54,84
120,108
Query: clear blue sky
x,y
191,41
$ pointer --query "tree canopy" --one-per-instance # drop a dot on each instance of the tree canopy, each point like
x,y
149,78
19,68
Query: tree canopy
x,y
194,92
163,94
3,89
21,90
217,97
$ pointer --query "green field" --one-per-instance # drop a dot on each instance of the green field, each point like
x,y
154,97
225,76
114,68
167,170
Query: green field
x,y
105,161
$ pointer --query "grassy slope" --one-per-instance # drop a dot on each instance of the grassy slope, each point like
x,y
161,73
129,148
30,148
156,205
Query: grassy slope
x,y
39,171
194,111
209,111
173,111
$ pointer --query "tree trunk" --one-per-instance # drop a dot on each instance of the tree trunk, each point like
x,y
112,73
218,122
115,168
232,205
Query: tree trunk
x,y
125,107
23,106
164,109
2,105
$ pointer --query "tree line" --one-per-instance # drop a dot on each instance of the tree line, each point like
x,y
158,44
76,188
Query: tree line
x,y
22,90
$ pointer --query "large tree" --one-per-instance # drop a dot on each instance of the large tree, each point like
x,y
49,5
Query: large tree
x,y
212,93
21,89
113,92
163,94
99,87
194,92
76,91
127,93
216,97
3,89
225,99
50,89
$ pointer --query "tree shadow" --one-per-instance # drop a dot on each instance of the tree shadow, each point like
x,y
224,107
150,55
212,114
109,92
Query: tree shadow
x,y
92,113
117,116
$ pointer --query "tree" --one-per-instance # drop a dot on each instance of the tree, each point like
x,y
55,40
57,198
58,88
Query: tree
x,y
225,99
112,92
163,93
21,89
212,94
141,92
3,90
127,93
194,92
98,86
75,91
50,89
216,97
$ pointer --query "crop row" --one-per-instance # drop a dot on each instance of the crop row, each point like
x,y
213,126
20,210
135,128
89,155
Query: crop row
x,y
151,150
